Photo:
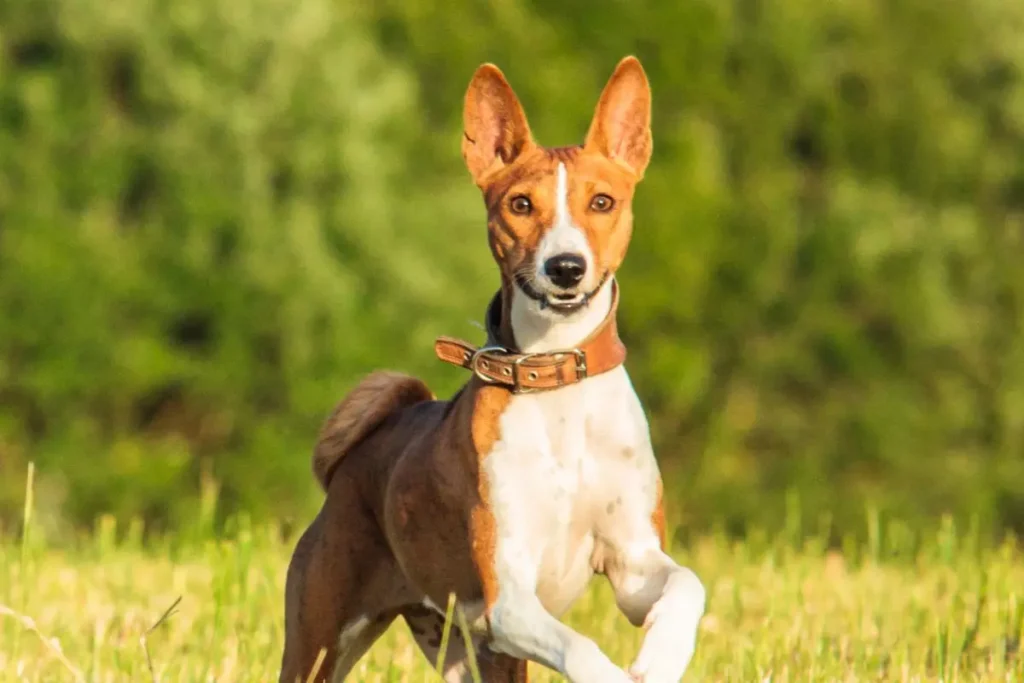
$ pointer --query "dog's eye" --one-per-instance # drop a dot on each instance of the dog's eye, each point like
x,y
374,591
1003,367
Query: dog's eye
x,y
520,204
602,203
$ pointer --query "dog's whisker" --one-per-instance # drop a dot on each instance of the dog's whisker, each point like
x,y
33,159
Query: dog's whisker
x,y
525,271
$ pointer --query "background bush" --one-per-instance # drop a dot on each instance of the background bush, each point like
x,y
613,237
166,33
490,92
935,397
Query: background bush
x,y
216,215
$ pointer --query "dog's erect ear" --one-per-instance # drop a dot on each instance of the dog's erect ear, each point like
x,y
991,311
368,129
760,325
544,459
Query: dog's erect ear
x,y
495,127
621,129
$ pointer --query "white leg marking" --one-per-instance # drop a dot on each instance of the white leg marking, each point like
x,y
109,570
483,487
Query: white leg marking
x,y
673,599
350,633
348,652
522,628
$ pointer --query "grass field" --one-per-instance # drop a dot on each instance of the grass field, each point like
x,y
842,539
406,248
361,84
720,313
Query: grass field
x,y
901,607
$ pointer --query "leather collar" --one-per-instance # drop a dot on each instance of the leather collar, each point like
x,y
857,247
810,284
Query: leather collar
x,y
524,373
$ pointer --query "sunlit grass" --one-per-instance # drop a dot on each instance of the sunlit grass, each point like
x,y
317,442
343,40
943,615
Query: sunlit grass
x,y
899,608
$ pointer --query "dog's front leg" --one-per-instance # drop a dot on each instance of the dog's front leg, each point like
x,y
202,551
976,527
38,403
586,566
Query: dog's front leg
x,y
668,599
520,625
522,628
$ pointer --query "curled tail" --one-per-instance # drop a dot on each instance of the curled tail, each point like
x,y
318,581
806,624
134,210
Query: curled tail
x,y
378,395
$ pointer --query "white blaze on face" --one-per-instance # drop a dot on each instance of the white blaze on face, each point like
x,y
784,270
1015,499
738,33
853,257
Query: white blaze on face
x,y
535,325
563,237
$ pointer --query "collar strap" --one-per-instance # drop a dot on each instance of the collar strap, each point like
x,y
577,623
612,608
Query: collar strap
x,y
524,373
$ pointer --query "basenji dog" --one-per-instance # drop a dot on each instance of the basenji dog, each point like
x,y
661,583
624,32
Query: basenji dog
x,y
539,472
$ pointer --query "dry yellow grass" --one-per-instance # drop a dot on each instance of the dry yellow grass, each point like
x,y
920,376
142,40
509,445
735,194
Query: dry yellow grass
x,y
192,607
900,609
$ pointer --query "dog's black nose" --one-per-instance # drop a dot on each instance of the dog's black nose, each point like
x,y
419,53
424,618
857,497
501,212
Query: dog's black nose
x,y
565,270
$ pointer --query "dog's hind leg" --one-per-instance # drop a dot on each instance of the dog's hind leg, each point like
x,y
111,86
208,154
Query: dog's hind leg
x,y
427,627
304,633
342,591
355,640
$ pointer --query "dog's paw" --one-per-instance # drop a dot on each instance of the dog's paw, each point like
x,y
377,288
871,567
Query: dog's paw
x,y
664,656
661,672
587,664
603,673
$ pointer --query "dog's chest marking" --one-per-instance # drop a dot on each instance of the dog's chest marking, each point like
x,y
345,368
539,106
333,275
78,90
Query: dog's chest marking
x,y
572,474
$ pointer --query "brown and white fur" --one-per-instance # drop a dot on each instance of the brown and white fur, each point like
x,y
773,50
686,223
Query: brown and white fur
x,y
511,501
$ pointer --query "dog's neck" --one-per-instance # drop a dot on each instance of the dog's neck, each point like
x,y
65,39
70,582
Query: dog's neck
x,y
517,322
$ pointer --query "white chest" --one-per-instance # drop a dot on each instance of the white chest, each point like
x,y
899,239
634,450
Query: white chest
x,y
573,470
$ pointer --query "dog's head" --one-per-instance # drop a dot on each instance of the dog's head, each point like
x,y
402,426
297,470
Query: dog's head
x,y
559,219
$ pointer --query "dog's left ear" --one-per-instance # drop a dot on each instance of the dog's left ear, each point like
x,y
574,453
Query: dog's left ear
x,y
621,129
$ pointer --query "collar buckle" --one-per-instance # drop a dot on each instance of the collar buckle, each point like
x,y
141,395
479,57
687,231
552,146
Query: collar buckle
x,y
474,362
581,364
517,382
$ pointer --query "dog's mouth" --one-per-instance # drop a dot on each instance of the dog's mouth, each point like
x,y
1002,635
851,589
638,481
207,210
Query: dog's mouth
x,y
567,302
564,303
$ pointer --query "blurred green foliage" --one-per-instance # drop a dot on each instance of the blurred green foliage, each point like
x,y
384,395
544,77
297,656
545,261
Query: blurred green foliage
x,y
216,215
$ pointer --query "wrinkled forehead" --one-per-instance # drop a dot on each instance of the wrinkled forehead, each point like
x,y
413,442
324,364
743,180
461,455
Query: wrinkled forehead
x,y
536,174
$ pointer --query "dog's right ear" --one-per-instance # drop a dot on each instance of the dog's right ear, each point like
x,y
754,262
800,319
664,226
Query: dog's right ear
x,y
495,130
